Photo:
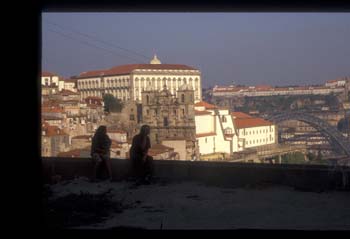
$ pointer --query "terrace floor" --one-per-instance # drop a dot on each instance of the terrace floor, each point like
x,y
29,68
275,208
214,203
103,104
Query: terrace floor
x,y
192,205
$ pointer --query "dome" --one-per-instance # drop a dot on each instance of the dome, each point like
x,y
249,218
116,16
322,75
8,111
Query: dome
x,y
155,60
186,87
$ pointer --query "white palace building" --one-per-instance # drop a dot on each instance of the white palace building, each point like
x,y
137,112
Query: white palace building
x,y
126,82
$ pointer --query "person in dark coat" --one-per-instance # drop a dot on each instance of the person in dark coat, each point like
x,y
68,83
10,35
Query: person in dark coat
x,y
141,162
100,151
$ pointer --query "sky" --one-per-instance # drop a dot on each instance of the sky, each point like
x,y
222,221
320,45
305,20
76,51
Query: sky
x,y
241,48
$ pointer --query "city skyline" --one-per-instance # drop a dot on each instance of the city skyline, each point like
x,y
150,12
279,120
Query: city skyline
x,y
281,48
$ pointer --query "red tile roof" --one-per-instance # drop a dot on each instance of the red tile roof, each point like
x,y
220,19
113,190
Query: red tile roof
x,y
331,81
205,134
52,130
240,115
50,103
263,87
204,112
205,104
251,122
90,74
46,74
127,69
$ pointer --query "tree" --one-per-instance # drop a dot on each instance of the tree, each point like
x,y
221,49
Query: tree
x,y
311,156
343,125
112,104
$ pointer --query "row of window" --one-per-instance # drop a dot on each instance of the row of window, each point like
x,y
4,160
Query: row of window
x,y
96,84
166,79
259,141
257,131
99,93
117,82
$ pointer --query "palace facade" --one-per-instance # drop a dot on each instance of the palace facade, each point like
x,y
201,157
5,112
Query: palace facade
x,y
127,82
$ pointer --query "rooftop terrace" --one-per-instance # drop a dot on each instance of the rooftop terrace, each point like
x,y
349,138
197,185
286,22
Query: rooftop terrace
x,y
210,195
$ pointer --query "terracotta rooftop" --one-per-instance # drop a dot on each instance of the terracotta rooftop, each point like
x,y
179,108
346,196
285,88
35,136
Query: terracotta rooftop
x,y
205,134
204,112
46,74
251,122
52,130
127,69
240,115
205,104
263,87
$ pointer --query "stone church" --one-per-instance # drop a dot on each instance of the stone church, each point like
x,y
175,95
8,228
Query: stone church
x,y
171,118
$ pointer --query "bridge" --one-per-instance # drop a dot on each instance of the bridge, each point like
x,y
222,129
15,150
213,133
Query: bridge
x,y
267,153
333,135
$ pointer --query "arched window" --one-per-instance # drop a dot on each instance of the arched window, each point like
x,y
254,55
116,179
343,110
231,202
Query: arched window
x,y
182,98
147,99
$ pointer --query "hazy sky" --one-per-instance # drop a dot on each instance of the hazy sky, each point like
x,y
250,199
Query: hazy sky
x,y
247,48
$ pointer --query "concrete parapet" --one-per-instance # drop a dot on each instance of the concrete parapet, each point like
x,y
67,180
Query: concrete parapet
x,y
226,174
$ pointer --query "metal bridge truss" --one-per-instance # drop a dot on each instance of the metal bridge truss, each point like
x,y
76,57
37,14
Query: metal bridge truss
x,y
335,137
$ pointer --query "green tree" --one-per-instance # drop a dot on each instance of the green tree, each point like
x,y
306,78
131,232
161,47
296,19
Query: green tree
x,y
112,104
343,124
311,156
293,158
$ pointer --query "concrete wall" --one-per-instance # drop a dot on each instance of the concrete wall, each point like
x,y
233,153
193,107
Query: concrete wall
x,y
224,174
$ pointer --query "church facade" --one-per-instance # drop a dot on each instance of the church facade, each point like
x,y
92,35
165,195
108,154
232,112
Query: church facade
x,y
171,119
